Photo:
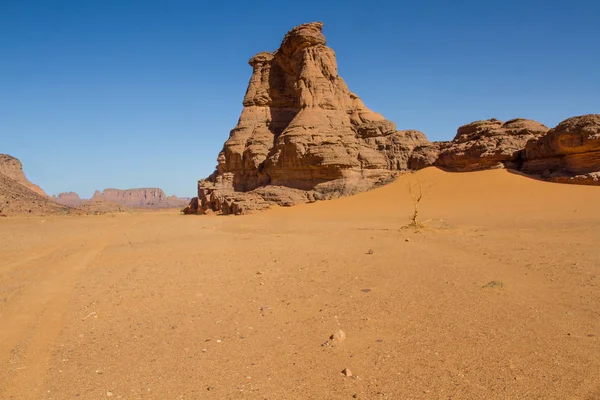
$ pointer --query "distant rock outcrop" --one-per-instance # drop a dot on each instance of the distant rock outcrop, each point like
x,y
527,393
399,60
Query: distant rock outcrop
x,y
303,131
142,197
12,168
488,144
18,196
71,199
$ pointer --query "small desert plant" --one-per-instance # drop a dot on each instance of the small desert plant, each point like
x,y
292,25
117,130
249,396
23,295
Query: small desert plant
x,y
416,194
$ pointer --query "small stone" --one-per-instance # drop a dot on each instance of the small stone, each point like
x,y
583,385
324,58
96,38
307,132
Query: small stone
x,y
211,388
109,394
259,273
99,371
407,240
219,340
366,290
338,336
346,372
370,251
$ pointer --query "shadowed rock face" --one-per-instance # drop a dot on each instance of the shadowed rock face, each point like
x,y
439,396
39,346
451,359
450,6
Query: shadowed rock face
x,y
12,168
301,128
569,153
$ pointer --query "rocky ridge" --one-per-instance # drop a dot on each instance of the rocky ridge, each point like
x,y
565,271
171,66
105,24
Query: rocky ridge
x,y
488,144
303,136
141,197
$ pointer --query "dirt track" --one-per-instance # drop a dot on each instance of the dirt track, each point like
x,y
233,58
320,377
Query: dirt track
x,y
498,298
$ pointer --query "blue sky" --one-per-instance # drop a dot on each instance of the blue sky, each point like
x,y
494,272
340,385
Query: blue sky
x,y
115,93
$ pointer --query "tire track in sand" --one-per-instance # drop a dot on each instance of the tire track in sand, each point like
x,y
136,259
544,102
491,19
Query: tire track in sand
x,y
30,324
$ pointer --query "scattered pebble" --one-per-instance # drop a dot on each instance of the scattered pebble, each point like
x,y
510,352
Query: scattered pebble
x,y
346,372
109,394
370,251
407,240
99,371
366,290
338,336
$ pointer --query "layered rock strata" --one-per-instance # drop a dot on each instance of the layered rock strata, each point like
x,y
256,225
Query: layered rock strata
x,y
302,131
12,168
488,144
568,153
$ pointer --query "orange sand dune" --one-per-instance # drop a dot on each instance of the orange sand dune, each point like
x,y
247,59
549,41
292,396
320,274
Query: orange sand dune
x,y
486,196
497,299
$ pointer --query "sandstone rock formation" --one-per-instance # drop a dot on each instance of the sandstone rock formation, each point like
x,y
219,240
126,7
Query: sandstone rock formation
x,y
12,168
142,197
569,153
488,144
301,128
18,196
303,136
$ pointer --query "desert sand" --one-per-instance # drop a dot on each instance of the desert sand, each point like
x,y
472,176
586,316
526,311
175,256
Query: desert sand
x,y
498,298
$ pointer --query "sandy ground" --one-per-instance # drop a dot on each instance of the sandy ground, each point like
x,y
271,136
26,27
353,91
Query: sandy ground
x,y
498,299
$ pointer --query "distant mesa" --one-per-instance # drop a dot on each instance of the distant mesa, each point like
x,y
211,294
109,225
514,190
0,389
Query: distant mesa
x,y
142,197
70,199
304,136
131,198
18,196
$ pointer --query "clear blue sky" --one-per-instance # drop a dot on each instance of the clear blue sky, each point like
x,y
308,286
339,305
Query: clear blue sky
x,y
116,93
